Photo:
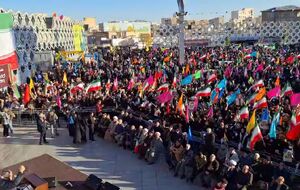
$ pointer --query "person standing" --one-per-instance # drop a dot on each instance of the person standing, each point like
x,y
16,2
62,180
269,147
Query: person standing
x,y
41,127
5,118
92,122
52,118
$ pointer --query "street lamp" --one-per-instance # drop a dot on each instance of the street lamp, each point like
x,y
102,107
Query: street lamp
x,y
181,15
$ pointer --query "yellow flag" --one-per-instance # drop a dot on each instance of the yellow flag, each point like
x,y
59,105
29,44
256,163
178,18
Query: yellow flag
x,y
251,123
31,84
65,80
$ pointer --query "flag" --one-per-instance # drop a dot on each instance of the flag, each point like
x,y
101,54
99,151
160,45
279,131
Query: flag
x,y
164,97
294,131
163,87
251,123
228,72
295,99
190,135
94,86
197,75
196,102
187,69
222,84
244,113
58,101
148,83
259,83
116,84
65,80
31,84
187,113
130,84
248,56
261,104
287,90
275,92
211,78
275,122
108,86
187,80
203,93
231,98
251,99
174,81
214,96
277,82
261,93
210,113
259,68
16,93
180,105
8,53
255,137
77,88
26,96
265,115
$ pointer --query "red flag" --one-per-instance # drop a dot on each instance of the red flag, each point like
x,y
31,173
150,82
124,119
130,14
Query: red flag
x,y
26,96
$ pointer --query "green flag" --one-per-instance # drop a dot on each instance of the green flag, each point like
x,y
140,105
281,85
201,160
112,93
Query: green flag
x,y
16,91
197,75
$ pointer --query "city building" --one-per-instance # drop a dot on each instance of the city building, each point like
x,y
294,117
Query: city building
x,y
90,23
166,21
280,14
98,39
241,15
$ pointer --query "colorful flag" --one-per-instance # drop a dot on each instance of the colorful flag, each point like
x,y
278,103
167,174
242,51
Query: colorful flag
x,y
180,105
231,98
148,83
164,97
277,82
204,92
212,78
187,80
174,81
275,122
251,99
94,86
163,87
261,104
259,83
65,79
77,88
287,90
196,102
251,123
261,93
244,113
255,137
275,92
187,113
58,101
8,53
130,84
294,131
197,75
31,84
214,96
187,69
210,113
26,96
265,115
16,93
190,135
222,84
295,99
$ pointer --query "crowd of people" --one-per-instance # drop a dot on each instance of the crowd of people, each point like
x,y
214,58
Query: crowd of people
x,y
164,106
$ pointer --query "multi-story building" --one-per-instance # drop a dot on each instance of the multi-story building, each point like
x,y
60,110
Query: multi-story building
x,y
215,23
91,23
281,14
241,15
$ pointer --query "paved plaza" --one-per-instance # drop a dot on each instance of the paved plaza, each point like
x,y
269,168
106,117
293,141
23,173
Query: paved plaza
x,y
106,160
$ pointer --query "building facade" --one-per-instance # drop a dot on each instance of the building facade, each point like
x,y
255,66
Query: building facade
x,y
241,15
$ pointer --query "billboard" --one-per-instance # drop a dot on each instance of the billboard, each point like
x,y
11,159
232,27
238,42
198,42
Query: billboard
x,y
78,37
4,75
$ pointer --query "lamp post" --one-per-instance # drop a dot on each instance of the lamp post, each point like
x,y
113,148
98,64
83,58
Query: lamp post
x,y
181,15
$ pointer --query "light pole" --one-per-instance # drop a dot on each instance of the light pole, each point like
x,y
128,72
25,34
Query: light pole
x,y
181,15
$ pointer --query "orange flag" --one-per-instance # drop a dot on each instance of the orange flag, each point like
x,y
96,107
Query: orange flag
x,y
277,82
26,96
180,106
187,69
261,93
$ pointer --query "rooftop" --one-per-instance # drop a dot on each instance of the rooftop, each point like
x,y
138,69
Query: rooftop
x,y
284,8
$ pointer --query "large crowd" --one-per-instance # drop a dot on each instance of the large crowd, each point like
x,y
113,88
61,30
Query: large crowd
x,y
219,117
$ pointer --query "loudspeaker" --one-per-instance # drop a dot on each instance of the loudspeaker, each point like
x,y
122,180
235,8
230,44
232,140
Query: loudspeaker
x,y
109,186
49,22
93,182
51,181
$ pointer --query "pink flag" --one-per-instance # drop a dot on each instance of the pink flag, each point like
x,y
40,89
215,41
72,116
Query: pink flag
x,y
295,99
275,92
164,97
131,84
259,68
58,101
196,102
228,72
210,113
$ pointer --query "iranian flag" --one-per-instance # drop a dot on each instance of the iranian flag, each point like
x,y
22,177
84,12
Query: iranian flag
x,y
7,44
261,104
163,87
287,90
251,99
294,131
244,113
259,83
174,82
94,86
211,78
298,56
204,93
78,87
255,137
248,56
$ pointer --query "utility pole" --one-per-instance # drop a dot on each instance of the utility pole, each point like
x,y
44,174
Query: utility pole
x,y
181,15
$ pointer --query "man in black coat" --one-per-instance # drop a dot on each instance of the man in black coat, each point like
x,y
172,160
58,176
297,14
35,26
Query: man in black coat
x,y
41,127
6,179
